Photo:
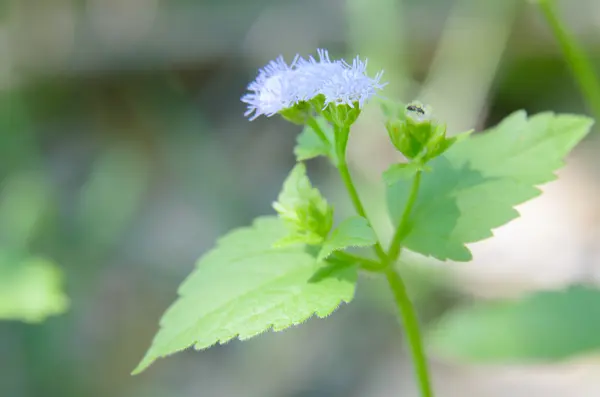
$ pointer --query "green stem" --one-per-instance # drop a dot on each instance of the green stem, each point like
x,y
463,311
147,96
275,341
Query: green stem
x,y
402,229
347,179
314,124
360,210
365,263
581,68
341,141
411,327
405,306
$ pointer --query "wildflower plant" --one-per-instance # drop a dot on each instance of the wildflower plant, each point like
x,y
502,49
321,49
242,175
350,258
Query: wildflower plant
x,y
449,192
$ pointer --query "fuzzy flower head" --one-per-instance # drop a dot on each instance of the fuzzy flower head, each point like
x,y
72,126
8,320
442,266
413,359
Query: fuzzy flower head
x,y
351,84
272,90
280,86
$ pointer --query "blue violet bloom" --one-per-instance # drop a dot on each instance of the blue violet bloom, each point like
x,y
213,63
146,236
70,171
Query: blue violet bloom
x,y
280,86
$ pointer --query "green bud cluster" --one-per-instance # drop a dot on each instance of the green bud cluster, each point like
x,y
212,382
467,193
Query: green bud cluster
x,y
415,133
303,209
298,114
341,115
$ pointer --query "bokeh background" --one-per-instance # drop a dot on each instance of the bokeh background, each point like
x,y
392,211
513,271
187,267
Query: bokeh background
x,y
124,154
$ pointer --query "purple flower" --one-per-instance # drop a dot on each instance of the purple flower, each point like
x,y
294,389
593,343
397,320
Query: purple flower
x,y
272,90
351,84
280,86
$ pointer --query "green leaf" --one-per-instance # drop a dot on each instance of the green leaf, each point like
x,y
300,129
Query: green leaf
x,y
473,188
331,268
303,209
401,172
352,232
440,144
30,288
244,287
543,326
309,145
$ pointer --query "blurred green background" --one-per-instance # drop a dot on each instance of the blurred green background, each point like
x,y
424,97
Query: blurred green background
x,y
124,154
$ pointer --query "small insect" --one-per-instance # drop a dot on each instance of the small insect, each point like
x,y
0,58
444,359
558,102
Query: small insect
x,y
415,108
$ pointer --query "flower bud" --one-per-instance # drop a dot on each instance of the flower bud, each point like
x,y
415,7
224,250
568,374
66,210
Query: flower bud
x,y
405,143
415,133
303,210
297,114
438,143
341,115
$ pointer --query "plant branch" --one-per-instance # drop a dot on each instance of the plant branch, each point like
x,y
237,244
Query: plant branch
x,y
402,229
365,263
405,306
341,140
411,326
581,68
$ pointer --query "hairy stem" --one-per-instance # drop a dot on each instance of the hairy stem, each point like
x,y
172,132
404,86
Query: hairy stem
x,y
402,228
386,264
581,68
405,306
341,140
365,263
411,327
